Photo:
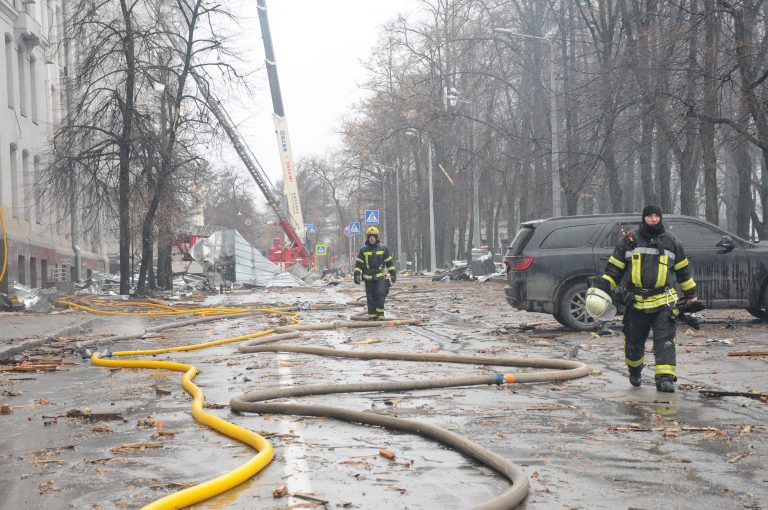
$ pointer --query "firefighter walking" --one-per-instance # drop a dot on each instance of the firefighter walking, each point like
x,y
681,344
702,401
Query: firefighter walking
x,y
643,270
372,264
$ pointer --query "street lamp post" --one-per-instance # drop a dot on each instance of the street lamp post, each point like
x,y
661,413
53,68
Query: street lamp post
x,y
397,211
556,202
432,255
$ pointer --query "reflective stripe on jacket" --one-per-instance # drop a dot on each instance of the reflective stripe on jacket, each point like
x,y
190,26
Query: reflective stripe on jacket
x,y
373,261
649,268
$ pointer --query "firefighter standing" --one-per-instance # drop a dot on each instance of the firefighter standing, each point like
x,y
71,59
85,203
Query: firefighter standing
x,y
644,267
373,262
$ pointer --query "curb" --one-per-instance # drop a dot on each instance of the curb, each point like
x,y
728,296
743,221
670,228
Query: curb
x,y
13,350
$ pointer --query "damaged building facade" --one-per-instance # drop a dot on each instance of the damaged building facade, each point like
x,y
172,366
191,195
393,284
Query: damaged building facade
x,y
32,101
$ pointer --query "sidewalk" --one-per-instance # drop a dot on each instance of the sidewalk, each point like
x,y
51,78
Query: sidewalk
x,y
19,330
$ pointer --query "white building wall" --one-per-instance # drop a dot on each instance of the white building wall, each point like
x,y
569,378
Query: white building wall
x,y
31,65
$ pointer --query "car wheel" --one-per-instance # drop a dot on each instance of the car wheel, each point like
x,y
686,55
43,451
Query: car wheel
x,y
761,313
572,310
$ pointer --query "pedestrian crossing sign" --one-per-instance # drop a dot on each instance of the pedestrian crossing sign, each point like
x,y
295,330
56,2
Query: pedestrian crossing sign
x,y
372,217
354,228
320,250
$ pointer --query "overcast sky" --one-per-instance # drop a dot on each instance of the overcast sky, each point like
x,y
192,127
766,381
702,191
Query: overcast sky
x,y
319,46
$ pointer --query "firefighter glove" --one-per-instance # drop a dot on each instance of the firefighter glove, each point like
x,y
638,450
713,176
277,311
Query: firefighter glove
x,y
393,276
357,278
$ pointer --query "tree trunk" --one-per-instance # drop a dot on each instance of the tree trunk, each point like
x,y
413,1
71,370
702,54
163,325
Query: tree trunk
x,y
707,129
124,156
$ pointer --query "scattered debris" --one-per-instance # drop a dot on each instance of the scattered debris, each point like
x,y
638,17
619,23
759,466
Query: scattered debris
x,y
738,457
164,433
309,497
387,453
763,397
748,353
89,415
49,486
40,365
724,341
132,447
279,492
36,300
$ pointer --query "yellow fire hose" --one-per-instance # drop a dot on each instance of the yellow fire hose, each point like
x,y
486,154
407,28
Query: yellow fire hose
x,y
227,481
223,483
257,402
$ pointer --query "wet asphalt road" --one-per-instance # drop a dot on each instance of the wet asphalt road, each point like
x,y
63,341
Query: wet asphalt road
x,y
594,442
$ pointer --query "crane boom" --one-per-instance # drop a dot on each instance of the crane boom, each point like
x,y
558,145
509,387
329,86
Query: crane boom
x,y
290,187
251,163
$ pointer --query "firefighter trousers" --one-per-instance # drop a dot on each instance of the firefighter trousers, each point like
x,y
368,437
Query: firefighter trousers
x,y
376,292
637,326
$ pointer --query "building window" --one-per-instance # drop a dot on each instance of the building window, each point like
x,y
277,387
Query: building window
x,y
21,270
33,87
44,273
9,69
33,272
14,182
36,195
22,81
26,183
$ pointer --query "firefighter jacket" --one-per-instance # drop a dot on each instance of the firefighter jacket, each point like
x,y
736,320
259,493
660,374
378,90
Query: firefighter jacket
x,y
647,268
374,261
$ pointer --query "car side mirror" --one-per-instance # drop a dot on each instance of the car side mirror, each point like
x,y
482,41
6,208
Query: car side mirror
x,y
726,243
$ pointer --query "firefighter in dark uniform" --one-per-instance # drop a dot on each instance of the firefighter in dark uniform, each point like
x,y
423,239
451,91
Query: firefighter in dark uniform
x,y
371,265
643,269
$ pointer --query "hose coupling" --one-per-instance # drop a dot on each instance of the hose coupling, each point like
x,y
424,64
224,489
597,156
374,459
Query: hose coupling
x,y
505,379
306,306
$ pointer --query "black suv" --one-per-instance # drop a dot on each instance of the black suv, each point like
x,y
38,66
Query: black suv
x,y
549,263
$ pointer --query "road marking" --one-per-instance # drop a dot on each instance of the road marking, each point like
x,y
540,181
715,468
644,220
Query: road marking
x,y
295,466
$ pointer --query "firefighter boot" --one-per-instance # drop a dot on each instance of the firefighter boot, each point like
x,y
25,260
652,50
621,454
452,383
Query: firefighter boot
x,y
634,376
665,385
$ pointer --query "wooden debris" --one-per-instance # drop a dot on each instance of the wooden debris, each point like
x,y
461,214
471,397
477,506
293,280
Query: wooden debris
x,y
387,453
172,485
32,366
132,447
748,353
107,460
47,461
763,397
47,487
5,409
738,457
309,497
164,433
87,414
279,492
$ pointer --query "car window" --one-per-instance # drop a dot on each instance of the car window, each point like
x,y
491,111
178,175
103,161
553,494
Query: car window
x,y
694,235
614,231
520,240
569,237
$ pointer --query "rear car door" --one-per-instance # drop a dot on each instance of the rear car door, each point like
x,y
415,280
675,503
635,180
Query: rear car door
x,y
722,275
567,252
607,242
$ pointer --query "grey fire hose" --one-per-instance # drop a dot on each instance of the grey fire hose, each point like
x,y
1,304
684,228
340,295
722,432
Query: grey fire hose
x,y
257,402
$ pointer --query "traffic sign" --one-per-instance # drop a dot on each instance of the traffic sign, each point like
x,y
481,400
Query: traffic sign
x,y
310,227
354,228
320,250
372,217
